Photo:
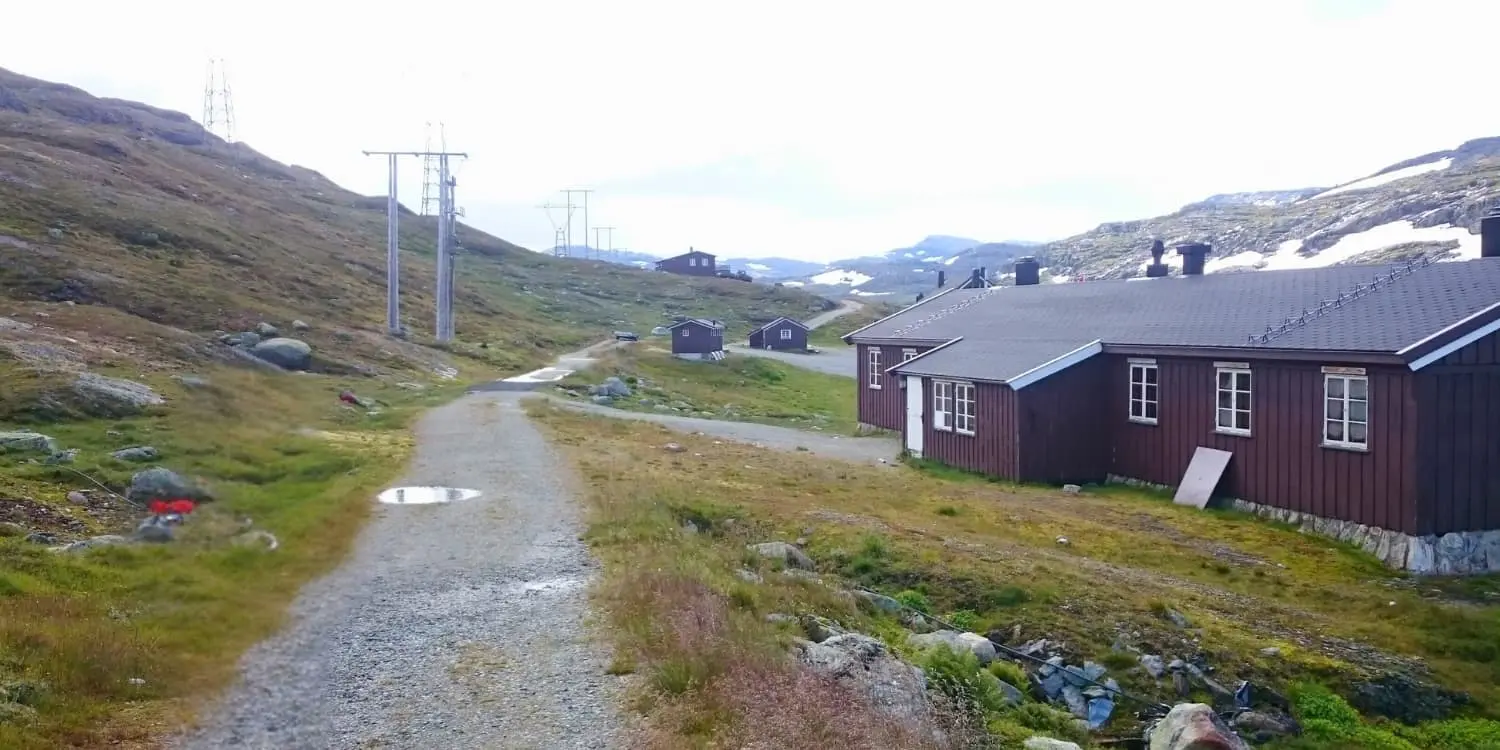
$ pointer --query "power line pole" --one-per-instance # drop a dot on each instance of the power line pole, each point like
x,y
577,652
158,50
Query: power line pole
x,y
445,229
430,185
218,104
559,235
569,194
599,247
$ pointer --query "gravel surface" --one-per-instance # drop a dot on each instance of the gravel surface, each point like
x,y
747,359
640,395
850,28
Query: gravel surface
x,y
844,308
840,361
873,449
456,625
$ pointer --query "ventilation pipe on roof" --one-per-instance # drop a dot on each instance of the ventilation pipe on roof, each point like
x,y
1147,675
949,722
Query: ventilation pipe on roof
x,y
942,278
1193,255
976,279
1489,234
1028,271
1157,269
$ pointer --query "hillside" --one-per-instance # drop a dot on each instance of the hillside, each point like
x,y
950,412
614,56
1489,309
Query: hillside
x,y
902,273
1429,204
139,217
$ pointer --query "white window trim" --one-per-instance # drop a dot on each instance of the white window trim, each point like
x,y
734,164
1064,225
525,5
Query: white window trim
x,y
942,405
872,378
686,331
1346,444
959,390
1250,411
908,355
1141,365
786,334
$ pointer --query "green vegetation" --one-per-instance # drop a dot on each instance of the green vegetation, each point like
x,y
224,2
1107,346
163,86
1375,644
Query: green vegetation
x,y
1334,616
740,387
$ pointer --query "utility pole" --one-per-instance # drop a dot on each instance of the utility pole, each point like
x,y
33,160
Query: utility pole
x,y
569,193
218,104
429,169
559,235
445,229
599,247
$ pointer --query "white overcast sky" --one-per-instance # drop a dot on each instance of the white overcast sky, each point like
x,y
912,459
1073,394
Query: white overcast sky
x,y
817,129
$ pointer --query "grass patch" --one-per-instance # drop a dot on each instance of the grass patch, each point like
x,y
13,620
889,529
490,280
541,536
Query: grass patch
x,y
829,335
740,388
1334,616
121,642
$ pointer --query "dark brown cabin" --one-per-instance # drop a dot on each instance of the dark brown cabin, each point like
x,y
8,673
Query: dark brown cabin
x,y
690,263
1362,400
698,338
781,333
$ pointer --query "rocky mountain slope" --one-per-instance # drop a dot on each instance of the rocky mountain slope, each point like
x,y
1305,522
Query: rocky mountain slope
x,y
906,271
1427,205
128,229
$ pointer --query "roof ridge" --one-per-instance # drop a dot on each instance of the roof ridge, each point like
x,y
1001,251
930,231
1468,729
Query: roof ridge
x,y
943,313
1381,281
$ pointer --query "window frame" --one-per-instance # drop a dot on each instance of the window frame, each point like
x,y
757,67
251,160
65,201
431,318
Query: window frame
x,y
959,390
686,331
786,334
1346,376
908,355
942,405
1143,366
1234,370
873,376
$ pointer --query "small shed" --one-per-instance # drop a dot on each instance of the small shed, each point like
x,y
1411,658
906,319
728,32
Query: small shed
x,y
697,338
781,333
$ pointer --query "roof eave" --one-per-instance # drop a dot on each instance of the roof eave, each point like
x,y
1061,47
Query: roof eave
x,y
1254,352
1048,369
848,337
950,342
1442,343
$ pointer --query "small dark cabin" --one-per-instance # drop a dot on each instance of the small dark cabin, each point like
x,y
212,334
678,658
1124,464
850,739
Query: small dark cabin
x,y
781,333
690,263
698,338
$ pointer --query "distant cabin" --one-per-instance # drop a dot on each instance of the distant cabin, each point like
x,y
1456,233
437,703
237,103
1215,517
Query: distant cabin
x,y
781,333
690,263
697,338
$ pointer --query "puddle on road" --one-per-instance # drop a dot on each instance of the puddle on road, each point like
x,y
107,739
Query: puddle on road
x,y
546,586
426,495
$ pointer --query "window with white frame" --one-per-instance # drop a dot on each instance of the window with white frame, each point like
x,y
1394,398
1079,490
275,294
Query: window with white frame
x,y
963,408
786,334
1346,411
1232,414
942,405
685,331
1143,391
908,355
872,379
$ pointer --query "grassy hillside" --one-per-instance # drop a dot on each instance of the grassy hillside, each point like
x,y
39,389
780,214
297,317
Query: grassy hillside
x,y
113,203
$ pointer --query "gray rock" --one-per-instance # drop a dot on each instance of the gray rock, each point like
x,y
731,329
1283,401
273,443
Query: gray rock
x,y
137,453
1176,618
1081,676
892,686
602,400
881,601
673,448
1264,726
1072,489
258,538
820,629
266,330
246,339
1270,651
973,643
300,325
786,553
1047,743
150,531
62,457
106,540
1153,665
193,381
1193,725
19,442
78,498
290,354
612,386
1073,698
748,576
1011,694
42,538
105,396
158,483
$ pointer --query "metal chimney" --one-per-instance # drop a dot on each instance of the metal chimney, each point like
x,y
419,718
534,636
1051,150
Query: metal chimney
x,y
1193,255
976,279
1028,271
1489,234
1157,269
942,278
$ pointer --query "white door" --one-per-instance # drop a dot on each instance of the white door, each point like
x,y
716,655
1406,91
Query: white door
x,y
914,428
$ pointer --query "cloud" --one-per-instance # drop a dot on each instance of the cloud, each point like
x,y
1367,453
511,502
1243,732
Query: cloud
x,y
808,129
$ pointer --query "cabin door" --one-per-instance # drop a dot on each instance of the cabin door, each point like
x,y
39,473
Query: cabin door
x,y
913,425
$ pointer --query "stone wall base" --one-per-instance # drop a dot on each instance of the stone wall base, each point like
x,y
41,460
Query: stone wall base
x,y
1454,553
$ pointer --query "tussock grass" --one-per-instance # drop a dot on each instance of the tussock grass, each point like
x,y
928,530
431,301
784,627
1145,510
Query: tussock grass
x,y
1335,615
125,641
743,388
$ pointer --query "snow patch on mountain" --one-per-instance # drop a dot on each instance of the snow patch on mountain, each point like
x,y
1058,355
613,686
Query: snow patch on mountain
x,y
840,277
1388,177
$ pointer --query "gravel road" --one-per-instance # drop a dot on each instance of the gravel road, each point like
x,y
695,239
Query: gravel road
x,y
873,449
844,308
454,625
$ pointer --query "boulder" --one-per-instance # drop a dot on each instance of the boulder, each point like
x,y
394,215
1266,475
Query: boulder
x,y
28,442
786,553
113,397
290,354
974,643
300,325
612,387
151,531
266,330
106,540
1047,743
158,483
1193,726
881,602
1264,726
137,453
892,686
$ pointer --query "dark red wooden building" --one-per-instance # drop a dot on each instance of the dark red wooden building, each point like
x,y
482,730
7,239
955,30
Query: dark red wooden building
x,y
1361,400
698,338
781,333
690,263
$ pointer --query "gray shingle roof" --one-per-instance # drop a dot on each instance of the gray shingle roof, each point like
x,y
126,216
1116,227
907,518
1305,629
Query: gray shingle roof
x,y
1007,331
706,323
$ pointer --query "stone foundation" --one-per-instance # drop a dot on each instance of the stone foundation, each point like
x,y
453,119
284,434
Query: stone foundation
x,y
1454,553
